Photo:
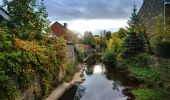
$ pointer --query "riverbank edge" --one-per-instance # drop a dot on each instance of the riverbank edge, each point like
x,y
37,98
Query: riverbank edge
x,y
145,89
60,90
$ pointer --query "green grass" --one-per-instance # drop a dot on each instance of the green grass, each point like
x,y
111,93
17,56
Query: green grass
x,y
71,70
148,94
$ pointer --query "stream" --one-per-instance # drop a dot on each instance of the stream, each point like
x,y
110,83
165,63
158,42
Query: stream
x,y
102,83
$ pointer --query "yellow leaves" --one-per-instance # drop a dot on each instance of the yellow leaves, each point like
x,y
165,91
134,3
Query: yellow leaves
x,y
28,71
114,43
32,47
51,57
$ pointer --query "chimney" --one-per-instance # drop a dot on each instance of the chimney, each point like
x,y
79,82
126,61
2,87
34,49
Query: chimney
x,y
65,25
167,12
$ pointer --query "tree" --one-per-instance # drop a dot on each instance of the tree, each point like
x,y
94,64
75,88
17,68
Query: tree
x,y
122,33
134,22
135,40
108,35
28,18
133,45
89,39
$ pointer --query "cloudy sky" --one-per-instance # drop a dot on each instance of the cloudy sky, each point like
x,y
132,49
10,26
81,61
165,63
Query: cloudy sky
x,y
91,15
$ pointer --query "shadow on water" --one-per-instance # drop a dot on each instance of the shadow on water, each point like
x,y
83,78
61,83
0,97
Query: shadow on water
x,y
102,83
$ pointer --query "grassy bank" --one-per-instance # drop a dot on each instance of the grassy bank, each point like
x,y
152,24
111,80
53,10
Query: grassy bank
x,y
151,72
71,70
149,94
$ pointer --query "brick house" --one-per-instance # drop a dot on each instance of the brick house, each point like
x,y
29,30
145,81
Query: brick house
x,y
61,31
150,10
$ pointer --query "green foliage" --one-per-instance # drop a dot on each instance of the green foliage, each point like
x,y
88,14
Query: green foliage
x,y
163,49
114,43
108,35
146,74
26,53
8,90
109,58
89,40
148,94
140,61
80,55
122,33
160,28
134,22
28,18
133,44
165,77
21,61
71,70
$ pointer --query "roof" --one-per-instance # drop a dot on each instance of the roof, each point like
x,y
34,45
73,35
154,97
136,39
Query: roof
x,y
58,29
4,14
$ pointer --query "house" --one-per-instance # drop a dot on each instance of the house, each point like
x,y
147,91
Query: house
x,y
150,10
4,15
59,30
62,31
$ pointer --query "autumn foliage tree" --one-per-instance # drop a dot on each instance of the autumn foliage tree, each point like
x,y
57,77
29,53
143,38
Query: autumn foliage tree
x,y
27,53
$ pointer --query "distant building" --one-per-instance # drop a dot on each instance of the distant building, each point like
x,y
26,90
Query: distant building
x,y
61,31
4,15
150,10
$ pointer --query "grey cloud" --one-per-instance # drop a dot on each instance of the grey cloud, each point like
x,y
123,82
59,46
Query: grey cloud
x,y
90,9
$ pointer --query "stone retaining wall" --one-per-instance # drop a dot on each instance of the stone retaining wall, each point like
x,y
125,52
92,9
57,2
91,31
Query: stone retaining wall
x,y
71,56
148,12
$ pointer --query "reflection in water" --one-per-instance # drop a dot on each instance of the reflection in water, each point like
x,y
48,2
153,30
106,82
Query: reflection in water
x,y
98,87
102,84
89,70
80,92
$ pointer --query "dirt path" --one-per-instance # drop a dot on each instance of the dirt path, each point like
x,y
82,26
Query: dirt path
x,y
59,91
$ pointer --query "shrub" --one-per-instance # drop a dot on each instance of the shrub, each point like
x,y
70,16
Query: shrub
x,y
8,89
71,69
163,49
80,55
146,74
109,57
149,94
23,60
165,77
140,61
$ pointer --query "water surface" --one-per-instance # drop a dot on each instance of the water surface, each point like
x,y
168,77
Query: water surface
x,y
101,84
